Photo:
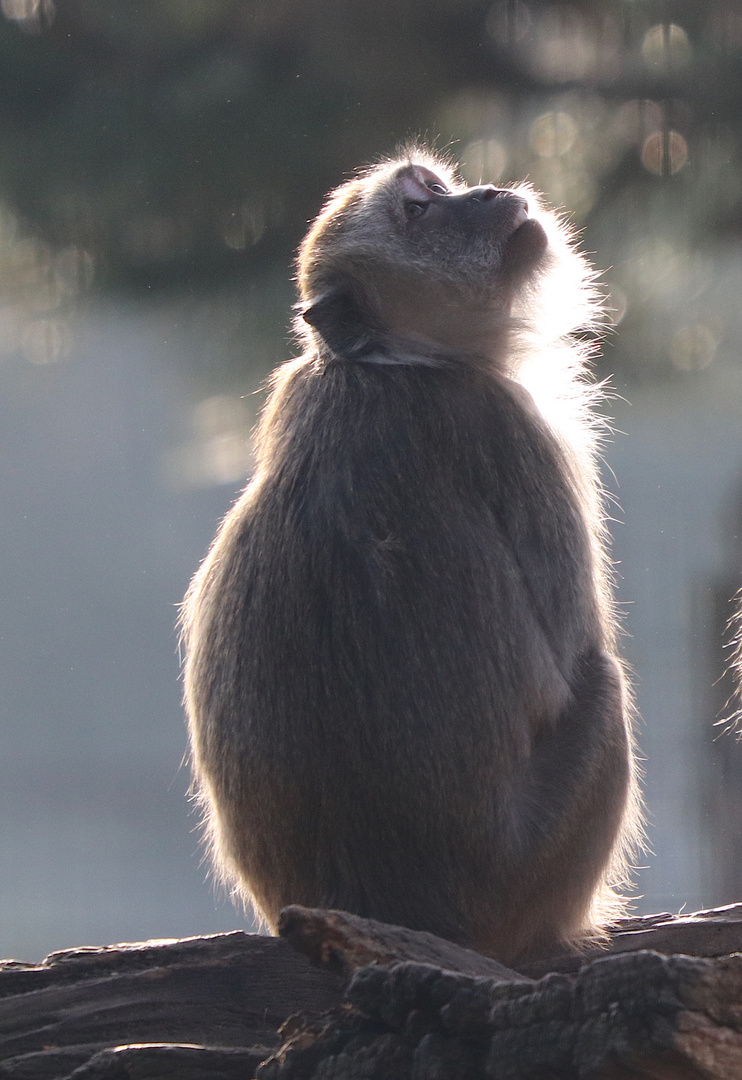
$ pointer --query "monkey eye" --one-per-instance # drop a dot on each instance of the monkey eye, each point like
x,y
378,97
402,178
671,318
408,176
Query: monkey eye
x,y
437,189
415,209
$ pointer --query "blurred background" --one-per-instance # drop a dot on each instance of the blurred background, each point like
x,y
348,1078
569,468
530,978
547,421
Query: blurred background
x,y
158,164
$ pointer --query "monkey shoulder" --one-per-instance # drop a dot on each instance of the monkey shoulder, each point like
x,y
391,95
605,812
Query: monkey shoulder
x,y
362,417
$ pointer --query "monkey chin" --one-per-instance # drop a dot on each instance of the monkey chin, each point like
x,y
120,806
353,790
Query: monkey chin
x,y
525,249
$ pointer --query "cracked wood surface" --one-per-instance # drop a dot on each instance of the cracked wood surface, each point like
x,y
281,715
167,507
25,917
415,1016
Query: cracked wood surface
x,y
384,1002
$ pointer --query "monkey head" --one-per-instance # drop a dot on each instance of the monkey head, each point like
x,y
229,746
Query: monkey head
x,y
406,252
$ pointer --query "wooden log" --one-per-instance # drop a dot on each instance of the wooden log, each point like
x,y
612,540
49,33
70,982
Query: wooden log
x,y
640,1016
209,1007
226,991
174,1061
344,943
716,932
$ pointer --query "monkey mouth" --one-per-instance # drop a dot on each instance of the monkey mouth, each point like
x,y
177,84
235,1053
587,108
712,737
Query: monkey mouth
x,y
517,219
520,218
525,243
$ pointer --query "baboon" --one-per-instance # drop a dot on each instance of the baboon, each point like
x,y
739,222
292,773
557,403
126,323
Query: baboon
x,y
401,676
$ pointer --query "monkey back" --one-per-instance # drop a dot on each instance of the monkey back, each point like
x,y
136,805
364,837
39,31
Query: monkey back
x,y
393,623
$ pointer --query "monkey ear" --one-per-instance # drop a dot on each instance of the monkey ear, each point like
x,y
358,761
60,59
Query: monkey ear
x,y
344,324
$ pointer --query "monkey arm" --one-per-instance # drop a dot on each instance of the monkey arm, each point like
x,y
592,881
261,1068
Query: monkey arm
x,y
567,804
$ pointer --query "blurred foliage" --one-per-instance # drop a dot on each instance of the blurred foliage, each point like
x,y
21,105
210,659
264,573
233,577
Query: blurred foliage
x,y
179,141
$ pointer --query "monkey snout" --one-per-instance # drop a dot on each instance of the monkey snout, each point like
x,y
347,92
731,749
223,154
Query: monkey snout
x,y
487,192
483,193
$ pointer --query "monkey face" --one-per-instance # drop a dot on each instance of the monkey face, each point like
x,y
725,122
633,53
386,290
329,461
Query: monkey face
x,y
484,234
409,252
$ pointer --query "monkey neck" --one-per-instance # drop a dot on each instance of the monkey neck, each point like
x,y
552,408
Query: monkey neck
x,y
479,328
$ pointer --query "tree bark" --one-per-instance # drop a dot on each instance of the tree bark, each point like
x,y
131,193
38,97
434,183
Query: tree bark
x,y
383,1002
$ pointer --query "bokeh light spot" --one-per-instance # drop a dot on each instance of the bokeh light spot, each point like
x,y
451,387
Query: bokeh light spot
x,y
656,267
565,45
692,348
616,303
666,47
553,134
483,160
30,14
572,188
509,22
244,227
45,340
638,118
664,153
220,450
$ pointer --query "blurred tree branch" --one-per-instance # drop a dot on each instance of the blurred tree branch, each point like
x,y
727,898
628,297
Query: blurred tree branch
x,y
192,139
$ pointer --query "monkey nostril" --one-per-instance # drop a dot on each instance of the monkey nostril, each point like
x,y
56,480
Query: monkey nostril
x,y
483,193
516,203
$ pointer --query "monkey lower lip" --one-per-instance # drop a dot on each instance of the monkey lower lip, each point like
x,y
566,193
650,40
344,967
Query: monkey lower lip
x,y
520,218
526,234
516,230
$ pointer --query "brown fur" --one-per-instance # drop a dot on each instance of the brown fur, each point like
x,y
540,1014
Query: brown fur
x,y
401,681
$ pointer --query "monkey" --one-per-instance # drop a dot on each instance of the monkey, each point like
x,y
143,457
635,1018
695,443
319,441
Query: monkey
x,y
402,683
